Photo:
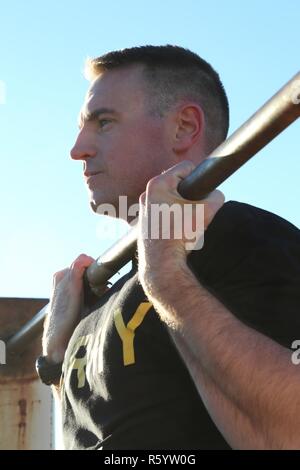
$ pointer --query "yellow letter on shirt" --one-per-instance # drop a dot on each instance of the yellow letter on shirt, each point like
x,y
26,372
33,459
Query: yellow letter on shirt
x,y
127,333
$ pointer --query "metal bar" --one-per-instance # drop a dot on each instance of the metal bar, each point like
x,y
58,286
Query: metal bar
x,y
271,119
27,333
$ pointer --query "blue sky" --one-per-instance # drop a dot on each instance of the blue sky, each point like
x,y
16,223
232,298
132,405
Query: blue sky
x,y
45,217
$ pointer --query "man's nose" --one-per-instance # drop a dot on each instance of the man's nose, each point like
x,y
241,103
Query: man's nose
x,y
83,148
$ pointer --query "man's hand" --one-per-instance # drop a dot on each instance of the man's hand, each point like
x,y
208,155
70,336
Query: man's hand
x,y
160,258
64,309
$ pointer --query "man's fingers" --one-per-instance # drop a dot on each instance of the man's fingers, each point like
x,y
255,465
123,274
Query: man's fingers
x,y
80,265
81,262
77,268
163,188
181,170
213,203
170,178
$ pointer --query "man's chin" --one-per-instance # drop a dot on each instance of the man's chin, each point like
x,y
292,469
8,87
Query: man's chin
x,y
93,206
107,209
120,209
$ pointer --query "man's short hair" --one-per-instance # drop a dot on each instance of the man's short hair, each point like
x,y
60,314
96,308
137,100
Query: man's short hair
x,y
173,74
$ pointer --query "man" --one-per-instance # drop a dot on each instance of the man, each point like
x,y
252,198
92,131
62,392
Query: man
x,y
196,358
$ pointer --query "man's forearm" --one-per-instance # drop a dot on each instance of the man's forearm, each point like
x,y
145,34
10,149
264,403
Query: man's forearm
x,y
233,423
246,380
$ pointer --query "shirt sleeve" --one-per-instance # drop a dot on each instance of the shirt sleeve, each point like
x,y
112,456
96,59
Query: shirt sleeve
x,y
250,261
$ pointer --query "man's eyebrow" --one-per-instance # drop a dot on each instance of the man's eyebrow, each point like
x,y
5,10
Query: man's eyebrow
x,y
91,116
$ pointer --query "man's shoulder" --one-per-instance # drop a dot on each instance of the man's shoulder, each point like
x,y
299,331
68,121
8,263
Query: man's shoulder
x,y
242,218
241,231
241,211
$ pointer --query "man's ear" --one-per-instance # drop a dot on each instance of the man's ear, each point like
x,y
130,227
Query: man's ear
x,y
189,128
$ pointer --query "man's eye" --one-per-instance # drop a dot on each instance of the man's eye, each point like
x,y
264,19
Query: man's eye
x,y
103,122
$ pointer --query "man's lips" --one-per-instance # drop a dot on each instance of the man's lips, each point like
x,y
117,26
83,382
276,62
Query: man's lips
x,y
89,174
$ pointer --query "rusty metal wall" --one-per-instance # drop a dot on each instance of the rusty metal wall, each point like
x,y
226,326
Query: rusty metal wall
x,y
26,408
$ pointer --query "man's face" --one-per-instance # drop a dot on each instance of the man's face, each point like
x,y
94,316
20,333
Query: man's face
x,y
121,145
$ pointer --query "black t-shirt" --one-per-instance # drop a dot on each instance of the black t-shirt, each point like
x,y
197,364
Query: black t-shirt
x,y
125,385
